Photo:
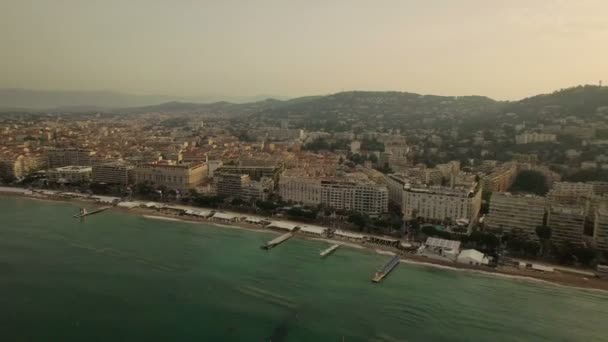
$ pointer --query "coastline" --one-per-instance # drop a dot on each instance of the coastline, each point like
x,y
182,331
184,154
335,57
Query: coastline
x,y
555,278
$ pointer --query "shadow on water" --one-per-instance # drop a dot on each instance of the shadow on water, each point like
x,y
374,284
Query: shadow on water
x,y
280,332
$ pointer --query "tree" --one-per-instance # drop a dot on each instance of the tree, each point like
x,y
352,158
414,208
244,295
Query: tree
x,y
237,201
358,219
144,189
544,235
530,181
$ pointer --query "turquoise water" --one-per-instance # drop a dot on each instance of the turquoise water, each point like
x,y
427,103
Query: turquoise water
x,y
120,277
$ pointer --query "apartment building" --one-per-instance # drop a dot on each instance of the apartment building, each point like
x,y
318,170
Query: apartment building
x,y
572,187
70,174
232,185
114,173
58,157
254,172
529,138
353,192
516,212
600,188
600,231
567,223
500,179
438,203
172,175
395,184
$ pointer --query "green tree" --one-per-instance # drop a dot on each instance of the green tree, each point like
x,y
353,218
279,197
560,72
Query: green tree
x,y
358,219
544,235
530,181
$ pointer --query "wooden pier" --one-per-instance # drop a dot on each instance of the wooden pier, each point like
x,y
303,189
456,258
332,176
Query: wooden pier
x,y
276,241
329,251
84,212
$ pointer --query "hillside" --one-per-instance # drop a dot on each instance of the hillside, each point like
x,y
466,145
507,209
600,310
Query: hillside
x,y
361,104
580,100
217,108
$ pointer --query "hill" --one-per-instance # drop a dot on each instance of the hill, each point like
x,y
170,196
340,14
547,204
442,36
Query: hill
x,y
59,100
580,101
362,104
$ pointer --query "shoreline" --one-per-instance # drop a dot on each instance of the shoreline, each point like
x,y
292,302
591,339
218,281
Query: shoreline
x,y
556,278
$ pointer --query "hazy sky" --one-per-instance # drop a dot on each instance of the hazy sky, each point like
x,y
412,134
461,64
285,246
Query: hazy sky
x,y
503,49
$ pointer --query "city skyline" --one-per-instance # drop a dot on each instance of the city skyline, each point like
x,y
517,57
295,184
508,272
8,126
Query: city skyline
x,y
504,51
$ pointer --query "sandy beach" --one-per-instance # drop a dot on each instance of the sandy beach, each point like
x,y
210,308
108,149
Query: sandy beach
x,y
554,278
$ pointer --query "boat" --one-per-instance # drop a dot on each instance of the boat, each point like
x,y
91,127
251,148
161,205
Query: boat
x,y
329,251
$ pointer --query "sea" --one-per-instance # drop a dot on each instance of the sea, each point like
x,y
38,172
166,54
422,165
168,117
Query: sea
x,y
116,276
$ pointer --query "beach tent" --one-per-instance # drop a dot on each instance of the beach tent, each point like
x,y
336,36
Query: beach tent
x,y
472,257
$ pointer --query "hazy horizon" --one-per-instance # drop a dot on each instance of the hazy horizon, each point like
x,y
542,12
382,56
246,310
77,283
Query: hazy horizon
x,y
290,49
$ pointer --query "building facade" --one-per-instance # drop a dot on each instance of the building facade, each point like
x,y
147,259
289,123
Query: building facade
x,y
501,179
114,173
174,176
600,231
439,203
567,223
529,138
70,174
516,212
58,157
337,193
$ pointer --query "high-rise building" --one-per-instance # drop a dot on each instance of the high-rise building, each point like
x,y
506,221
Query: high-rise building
x,y
600,231
567,223
58,157
353,192
254,172
600,188
70,174
114,173
439,203
571,187
500,179
516,212
172,175
529,138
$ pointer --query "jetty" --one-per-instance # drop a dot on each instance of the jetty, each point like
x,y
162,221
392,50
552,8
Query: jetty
x,y
384,271
328,251
84,212
276,241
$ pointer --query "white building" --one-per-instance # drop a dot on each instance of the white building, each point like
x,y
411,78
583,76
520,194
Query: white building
x,y
351,192
70,174
529,138
439,203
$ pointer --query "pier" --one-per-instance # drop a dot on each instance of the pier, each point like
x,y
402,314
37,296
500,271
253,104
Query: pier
x,y
84,212
329,251
384,271
276,241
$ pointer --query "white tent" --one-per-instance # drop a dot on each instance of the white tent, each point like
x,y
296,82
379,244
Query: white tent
x,y
225,216
282,225
472,257
313,230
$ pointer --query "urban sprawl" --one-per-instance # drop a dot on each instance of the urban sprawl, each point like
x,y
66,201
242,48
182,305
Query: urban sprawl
x,y
515,187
